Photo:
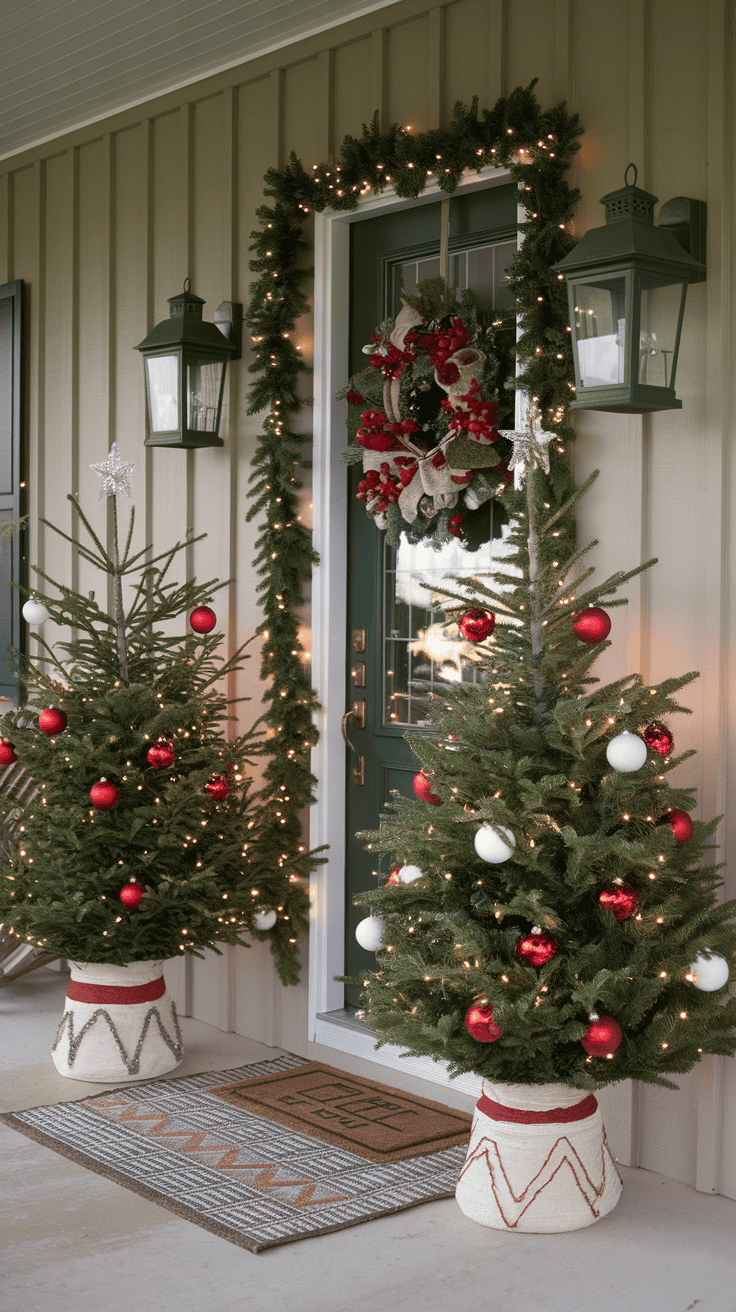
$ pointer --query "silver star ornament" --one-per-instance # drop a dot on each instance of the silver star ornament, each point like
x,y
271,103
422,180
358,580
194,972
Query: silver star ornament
x,y
530,445
115,474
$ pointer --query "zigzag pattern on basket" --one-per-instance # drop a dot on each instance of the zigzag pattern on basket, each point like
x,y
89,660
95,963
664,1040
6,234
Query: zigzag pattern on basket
x,y
132,1063
512,1206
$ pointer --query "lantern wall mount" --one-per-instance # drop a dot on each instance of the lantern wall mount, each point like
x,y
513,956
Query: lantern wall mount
x,y
626,285
185,361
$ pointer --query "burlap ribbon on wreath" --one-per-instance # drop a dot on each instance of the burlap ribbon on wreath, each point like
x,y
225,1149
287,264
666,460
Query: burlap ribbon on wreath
x,y
425,474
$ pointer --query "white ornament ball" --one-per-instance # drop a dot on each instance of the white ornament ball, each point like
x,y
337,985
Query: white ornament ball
x,y
408,874
369,933
34,611
265,919
494,844
709,973
626,752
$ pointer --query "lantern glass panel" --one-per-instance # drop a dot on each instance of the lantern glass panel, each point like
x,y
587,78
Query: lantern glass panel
x,y
204,382
660,310
599,327
162,381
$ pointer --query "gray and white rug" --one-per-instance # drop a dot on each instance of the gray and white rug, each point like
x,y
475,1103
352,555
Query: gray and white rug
x,y
243,1177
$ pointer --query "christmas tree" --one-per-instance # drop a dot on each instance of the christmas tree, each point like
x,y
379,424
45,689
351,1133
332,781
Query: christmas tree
x,y
551,916
134,842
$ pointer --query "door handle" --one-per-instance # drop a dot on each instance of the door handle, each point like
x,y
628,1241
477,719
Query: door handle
x,y
357,711
359,769
344,728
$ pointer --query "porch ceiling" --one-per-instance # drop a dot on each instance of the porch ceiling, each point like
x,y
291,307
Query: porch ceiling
x,y
67,63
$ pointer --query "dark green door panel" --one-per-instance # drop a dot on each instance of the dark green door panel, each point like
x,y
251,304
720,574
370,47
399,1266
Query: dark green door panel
x,y
380,601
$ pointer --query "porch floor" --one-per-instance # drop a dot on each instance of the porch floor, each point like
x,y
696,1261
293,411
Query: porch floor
x,y
73,1240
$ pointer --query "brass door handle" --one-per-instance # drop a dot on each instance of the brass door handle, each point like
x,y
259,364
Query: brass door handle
x,y
343,726
359,769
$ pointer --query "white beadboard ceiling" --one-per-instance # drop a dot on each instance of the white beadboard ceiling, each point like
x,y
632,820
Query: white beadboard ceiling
x,y
67,63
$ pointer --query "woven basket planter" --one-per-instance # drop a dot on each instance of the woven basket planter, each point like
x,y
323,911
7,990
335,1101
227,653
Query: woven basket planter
x,y
538,1160
119,1024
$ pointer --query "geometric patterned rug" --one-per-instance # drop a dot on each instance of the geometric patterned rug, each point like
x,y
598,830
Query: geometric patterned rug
x,y
236,1171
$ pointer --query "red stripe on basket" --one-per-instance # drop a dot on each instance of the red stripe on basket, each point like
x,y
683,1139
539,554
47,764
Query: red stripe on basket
x,y
497,1112
130,994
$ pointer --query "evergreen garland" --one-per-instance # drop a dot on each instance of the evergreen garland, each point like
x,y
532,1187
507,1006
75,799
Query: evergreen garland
x,y
536,146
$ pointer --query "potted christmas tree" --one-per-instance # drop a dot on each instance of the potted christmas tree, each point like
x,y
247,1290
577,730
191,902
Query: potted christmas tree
x,y
134,843
551,920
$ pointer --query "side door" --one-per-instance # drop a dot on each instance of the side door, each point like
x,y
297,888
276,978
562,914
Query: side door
x,y
398,648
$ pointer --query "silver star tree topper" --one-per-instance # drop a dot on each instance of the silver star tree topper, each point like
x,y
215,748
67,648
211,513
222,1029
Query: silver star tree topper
x,y
530,445
115,474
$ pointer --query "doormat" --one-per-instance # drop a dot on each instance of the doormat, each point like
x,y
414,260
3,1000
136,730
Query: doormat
x,y
349,1112
235,1169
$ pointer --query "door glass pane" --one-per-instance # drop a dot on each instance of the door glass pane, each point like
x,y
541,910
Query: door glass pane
x,y
483,268
404,277
423,651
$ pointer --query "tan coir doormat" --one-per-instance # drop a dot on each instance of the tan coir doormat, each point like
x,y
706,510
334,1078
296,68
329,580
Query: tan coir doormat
x,y
381,1124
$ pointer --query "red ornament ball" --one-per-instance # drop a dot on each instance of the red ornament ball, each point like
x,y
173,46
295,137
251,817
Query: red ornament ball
x,y
658,739
681,825
476,625
423,790
52,721
395,877
592,625
7,752
536,948
161,755
104,796
217,787
132,894
480,1024
602,1036
203,619
622,900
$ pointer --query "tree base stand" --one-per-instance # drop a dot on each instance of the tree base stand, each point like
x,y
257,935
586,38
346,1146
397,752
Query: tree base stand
x,y
538,1160
119,1024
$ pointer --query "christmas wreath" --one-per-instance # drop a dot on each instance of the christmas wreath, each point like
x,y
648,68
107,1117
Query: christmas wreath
x,y
424,416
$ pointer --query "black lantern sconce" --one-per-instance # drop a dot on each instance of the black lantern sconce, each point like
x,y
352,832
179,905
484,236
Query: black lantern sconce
x,y
626,285
185,359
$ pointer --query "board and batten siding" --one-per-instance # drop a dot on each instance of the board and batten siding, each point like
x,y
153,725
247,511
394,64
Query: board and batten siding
x,y
104,224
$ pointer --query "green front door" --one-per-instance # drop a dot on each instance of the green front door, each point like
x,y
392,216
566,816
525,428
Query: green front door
x,y
398,650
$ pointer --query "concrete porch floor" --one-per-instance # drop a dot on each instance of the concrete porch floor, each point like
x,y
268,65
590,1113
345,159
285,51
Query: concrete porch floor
x,y
75,1242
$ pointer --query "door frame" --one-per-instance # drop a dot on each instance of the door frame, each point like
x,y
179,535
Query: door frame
x,y
329,583
620,1103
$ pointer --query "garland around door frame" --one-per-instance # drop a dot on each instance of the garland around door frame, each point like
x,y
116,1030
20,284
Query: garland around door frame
x,y
536,146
